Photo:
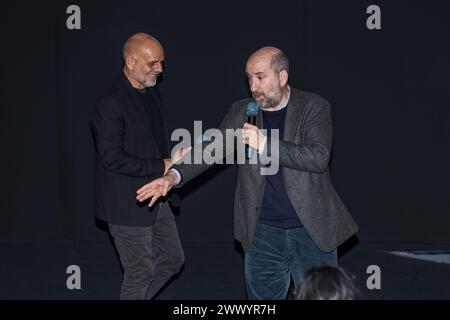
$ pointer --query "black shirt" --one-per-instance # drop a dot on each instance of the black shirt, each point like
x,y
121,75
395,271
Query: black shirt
x,y
157,123
277,209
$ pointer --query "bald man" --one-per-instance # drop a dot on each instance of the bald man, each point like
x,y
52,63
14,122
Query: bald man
x,y
132,147
293,220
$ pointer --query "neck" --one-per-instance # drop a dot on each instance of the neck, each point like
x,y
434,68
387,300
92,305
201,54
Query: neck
x,y
133,82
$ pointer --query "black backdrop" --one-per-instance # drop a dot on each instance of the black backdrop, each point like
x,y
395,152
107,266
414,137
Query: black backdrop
x,y
389,91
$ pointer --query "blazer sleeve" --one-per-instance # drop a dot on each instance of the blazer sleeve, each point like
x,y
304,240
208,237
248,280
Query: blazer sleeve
x,y
190,171
314,154
108,128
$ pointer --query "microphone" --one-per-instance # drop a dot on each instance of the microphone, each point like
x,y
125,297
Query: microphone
x,y
200,139
252,112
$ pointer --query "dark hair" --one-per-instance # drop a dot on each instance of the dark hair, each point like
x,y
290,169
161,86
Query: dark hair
x,y
326,283
280,62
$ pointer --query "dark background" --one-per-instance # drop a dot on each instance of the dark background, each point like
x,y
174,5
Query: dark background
x,y
389,91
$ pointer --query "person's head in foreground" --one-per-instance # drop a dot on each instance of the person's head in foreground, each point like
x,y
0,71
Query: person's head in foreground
x,y
326,283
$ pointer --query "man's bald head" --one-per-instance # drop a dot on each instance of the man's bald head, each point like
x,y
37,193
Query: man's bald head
x,y
143,56
277,58
139,42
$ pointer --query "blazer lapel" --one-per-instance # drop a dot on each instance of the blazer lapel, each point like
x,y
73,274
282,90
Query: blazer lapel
x,y
260,178
157,99
293,115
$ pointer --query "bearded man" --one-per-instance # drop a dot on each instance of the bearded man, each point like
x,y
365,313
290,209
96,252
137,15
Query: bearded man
x,y
291,221
132,147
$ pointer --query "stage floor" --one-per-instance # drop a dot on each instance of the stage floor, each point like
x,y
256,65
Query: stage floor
x,y
213,271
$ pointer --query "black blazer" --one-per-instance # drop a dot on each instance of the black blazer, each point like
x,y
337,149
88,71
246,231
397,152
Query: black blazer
x,y
127,155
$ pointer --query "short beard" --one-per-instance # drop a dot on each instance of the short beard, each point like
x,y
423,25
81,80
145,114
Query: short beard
x,y
272,101
149,85
144,81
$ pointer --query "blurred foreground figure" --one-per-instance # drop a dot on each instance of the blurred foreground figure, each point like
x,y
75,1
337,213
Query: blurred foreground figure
x,y
326,283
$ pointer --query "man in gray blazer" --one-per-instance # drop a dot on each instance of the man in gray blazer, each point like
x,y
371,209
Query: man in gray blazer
x,y
293,220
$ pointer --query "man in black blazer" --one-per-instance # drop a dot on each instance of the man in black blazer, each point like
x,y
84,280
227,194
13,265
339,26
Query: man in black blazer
x,y
132,147
292,220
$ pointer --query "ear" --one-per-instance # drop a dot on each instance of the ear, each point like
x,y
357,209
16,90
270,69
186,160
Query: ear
x,y
283,77
130,62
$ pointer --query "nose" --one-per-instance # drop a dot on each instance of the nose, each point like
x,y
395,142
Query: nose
x,y
253,85
159,67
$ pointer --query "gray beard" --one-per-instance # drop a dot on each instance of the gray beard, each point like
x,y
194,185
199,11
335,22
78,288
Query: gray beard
x,y
272,102
148,85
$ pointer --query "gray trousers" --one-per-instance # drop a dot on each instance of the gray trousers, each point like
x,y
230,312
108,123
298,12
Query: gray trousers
x,y
150,256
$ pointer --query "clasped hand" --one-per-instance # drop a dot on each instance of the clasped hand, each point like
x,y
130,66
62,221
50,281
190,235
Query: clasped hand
x,y
161,186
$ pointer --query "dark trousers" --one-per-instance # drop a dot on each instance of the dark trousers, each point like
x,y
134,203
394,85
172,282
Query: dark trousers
x,y
150,256
277,255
